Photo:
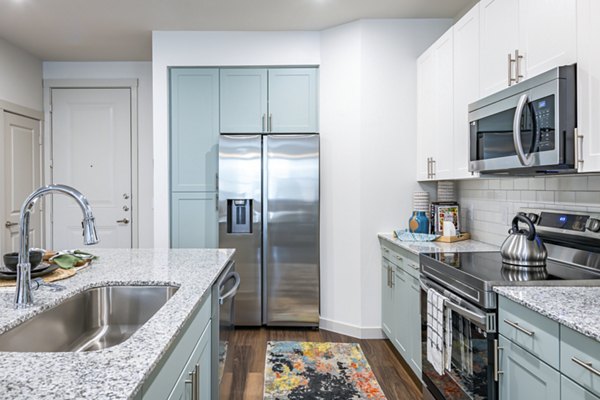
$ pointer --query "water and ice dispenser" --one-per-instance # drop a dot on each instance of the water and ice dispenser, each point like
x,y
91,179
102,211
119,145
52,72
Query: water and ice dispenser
x,y
239,216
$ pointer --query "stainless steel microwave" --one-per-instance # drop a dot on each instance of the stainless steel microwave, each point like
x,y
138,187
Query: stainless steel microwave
x,y
528,128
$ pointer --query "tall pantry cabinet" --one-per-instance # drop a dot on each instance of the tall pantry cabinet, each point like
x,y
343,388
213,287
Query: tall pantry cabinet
x,y
194,110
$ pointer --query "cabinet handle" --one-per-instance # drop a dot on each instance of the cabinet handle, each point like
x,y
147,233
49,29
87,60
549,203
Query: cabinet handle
x,y
518,59
428,167
270,124
217,181
433,167
578,149
197,384
586,365
497,371
389,281
264,119
517,327
217,202
510,61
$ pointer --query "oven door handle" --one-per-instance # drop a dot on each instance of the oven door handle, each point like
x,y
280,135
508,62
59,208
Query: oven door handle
x,y
234,289
475,317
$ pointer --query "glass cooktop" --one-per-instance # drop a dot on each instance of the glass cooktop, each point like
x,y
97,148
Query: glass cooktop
x,y
488,267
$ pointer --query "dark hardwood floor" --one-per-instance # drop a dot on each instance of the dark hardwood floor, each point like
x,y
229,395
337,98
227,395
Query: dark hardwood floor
x,y
244,370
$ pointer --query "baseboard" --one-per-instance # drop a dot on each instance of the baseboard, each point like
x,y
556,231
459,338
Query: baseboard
x,y
355,331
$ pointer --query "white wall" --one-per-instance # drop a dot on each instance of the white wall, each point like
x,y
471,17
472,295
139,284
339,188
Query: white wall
x,y
20,77
210,49
368,120
142,71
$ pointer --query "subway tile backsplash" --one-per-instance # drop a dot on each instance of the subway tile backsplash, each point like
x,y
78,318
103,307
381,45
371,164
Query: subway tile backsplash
x,y
488,205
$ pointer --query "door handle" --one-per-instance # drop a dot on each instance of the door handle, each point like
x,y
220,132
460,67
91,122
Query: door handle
x,y
8,224
123,221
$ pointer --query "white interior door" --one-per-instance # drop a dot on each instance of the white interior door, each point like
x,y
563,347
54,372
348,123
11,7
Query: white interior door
x,y
91,151
22,175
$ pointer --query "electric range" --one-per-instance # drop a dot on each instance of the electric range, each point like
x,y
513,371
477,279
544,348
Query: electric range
x,y
466,280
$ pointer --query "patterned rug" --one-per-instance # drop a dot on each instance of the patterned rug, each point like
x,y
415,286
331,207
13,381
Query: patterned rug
x,y
310,370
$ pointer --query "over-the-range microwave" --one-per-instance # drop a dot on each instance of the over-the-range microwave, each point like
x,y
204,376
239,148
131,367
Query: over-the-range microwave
x,y
526,129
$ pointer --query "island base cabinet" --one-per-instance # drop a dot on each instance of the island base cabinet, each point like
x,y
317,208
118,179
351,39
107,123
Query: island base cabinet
x,y
185,371
195,381
525,377
569,390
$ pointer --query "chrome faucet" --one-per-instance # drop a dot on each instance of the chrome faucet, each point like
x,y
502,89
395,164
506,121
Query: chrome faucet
x,y
23,296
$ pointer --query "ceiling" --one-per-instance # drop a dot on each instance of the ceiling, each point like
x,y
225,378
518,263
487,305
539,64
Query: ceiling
x,y
121,30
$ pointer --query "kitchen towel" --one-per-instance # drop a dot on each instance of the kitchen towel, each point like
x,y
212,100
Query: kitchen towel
x,y
438,332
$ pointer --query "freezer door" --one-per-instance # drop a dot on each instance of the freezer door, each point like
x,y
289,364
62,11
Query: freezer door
x,y
291,230
240,222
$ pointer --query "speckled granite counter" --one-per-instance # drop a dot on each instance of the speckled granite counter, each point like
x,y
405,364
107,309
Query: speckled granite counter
x,y
436,247
575,307
117,372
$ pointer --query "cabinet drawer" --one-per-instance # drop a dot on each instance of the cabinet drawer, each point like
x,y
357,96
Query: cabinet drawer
x,y
569,390
530,330
580,359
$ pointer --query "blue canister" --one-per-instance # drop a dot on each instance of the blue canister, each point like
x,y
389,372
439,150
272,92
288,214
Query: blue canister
x,y
418,222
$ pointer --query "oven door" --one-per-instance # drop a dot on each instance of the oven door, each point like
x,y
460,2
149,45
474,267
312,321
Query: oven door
x,y
471,374
518,132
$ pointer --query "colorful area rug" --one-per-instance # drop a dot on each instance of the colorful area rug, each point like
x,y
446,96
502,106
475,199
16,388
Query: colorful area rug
x,y
310,370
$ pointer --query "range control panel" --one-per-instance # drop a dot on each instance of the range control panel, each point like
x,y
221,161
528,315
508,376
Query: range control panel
x,y
566,222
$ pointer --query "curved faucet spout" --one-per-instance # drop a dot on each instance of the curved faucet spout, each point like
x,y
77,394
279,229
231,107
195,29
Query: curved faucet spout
x,y
23,297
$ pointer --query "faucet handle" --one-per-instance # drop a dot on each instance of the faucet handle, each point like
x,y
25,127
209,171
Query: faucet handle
x,y
53,287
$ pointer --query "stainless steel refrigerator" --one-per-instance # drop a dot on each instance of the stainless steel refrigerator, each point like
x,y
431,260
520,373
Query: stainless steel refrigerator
x,y
269,212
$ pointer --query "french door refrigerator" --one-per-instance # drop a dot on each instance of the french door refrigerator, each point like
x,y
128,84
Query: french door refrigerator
x,y
269,212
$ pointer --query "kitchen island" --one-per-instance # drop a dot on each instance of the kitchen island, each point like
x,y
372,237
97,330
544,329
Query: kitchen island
x,y
116,372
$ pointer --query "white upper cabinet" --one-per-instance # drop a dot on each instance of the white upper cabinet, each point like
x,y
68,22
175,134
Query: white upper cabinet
x,y
466,86
499,38
425,108
547,34
435,110
588,85
523,38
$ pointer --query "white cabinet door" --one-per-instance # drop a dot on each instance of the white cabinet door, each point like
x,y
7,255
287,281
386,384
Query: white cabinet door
x,y
499,38
444,89
466,86
426,65
435,110
547,34
588,84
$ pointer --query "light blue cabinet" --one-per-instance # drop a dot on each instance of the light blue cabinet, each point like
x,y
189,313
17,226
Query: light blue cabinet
x,y
541,359
194,220
387,299
569,390
187,360
524,376
194,129
403,322
274,100
401,303
196,375
194,155
293,100
243,100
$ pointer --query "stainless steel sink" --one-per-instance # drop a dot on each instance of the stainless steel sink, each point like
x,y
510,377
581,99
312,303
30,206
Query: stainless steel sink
x,y
91,320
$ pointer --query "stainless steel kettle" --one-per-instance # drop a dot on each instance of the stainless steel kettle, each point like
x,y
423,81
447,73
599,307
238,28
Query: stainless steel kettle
x,y
523,249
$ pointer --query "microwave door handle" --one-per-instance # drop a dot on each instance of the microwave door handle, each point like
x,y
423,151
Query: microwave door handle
x,y
526,160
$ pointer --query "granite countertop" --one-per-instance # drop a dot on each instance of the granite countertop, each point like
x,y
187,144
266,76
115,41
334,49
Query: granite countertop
x,y
438,247
116,372
575,307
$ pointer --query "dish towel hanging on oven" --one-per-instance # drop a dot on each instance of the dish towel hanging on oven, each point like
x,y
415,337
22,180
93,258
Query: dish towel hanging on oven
x,y
439,332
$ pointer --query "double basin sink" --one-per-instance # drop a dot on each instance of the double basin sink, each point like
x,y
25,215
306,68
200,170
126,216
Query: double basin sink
x,y
94,319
